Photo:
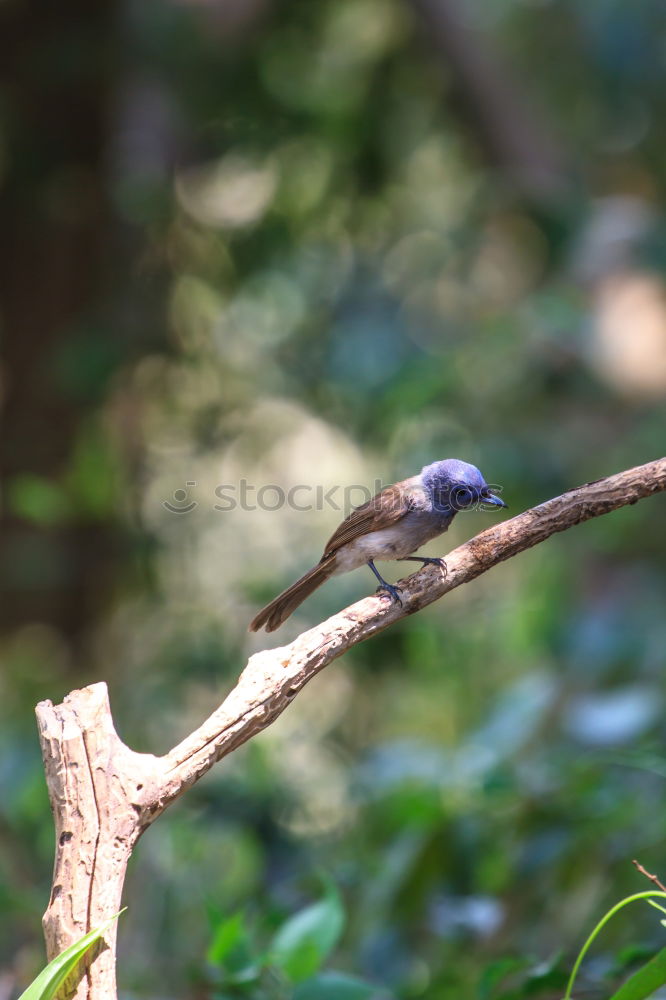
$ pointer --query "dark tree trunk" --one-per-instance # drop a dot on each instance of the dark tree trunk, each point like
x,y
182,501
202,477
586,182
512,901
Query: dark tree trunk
x,y
56,65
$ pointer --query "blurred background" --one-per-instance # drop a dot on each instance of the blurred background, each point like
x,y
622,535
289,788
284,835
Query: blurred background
x,y
324,244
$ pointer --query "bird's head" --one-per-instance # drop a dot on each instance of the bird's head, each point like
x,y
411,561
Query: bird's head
x,y
454,486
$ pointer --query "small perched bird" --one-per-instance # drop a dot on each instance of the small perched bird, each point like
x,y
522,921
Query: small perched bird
x,y
392,525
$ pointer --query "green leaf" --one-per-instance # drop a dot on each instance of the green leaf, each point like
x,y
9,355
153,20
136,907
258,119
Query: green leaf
x,y
496,972
645,981
51,978
228,935
231,949
306,939
334,986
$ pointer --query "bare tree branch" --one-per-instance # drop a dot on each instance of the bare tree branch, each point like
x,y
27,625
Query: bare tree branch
x,y
105,795
653,878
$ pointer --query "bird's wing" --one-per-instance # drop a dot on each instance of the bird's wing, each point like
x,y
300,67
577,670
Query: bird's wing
x,y
382,511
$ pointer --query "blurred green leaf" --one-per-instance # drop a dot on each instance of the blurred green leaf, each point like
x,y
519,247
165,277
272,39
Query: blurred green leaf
x,y
94,474
37,499
303,943
547,978
333,985
231,949
496,972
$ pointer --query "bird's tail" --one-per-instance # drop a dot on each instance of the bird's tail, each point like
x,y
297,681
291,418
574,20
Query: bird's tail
x,y
272,616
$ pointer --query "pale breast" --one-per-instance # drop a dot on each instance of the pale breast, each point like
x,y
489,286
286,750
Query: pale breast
x,y
395,542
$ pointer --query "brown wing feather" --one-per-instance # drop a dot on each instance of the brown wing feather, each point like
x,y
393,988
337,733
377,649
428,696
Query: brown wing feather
x,y
382,511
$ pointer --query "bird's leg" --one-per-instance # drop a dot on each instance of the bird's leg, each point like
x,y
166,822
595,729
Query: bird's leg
x,y
426,561
383,585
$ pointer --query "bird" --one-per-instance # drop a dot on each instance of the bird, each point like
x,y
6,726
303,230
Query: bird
x,y
392,525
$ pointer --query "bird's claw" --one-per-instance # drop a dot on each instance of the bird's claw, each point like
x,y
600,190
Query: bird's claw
x,y
392,591
436,561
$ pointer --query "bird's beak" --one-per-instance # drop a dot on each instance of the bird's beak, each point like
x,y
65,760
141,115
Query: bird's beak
x,y
491,498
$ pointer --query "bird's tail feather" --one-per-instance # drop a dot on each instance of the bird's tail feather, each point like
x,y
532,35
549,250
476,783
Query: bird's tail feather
x,y
272,616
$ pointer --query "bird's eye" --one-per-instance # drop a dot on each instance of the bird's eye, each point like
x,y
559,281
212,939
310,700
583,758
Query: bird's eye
x,y
462,497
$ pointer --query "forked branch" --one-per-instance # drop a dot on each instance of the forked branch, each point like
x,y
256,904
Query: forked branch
x,y
105,795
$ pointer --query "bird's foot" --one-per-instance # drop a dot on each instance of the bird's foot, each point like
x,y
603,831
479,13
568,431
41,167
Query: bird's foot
x,y
388,588
392,591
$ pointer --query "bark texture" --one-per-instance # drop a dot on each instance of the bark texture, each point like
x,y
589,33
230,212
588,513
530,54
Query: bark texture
x,y
105,795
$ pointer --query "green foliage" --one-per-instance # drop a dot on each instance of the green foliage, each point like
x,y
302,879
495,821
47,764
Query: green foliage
x,y
231,950
645,980
51,978
303,260
304,942
291,965
334,986
37,500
